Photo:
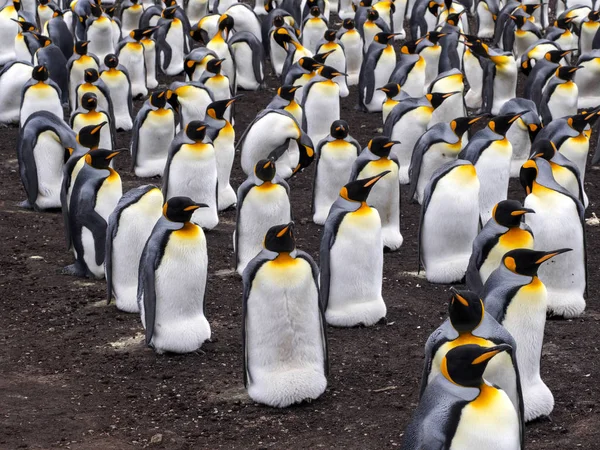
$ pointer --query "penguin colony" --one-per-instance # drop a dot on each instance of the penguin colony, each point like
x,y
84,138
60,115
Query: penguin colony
x,y
72,70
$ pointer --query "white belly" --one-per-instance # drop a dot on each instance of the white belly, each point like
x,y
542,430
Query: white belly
x,y
225,153
155,136
175,38
193,104
245,67
493,171
383,69
354,55
134,61
563,101
518,136
49,159
118,86
576,150
76,77
8,32
322,108
505,84
100,35
150,60
437,155
11,85
408,130
40,98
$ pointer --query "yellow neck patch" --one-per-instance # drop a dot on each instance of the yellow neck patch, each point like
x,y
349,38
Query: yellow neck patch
x,y
516,238
188,231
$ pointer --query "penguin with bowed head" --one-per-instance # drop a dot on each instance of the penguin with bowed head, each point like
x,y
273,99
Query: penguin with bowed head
x,y
377,66
517,299
172,280
393,95
449,221
504,231
52,57
129,227
220,45
560,95
558,222
283,326
286,100
461,409
335,156
173,42
468,322
452,107
337,59
409,72
152,133
77,66
352,41
351,258
88,114
45,143
385,196
191,170
96,192
40,93
248,52
195,63
116,79
13,77
263,201
132,56
189,100
217,83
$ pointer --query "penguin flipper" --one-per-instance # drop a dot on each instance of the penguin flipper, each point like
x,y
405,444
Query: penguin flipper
x,y
487,90
334,219
135,132
242,192
439,337
27,165
364,158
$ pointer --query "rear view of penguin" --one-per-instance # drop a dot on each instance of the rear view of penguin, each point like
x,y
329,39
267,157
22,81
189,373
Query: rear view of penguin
x,y
351,258
129,227
449,221
172,281
283,328
13,78
262,202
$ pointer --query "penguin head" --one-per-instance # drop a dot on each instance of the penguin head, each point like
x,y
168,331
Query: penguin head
x,y
216,110
169,3
465,310
348,24
169,13
142,33
265,170
43,40
196,130
95,9
529,9
454,18
214,65
308,64
593,16
358,190
383,38
524,261
17,5
528,175
372,15
226,23
269,5
280,238
434,36
476,45
409,48
461,124
40,73
90,75
339,129
158,99
173,100
508,213
437,98
287,92
501,124
544,149
579,122
110,10
315,11
381,146
364,3
330,72
181,209
282,37
519,20
81,47
89,136
390,90
464,365
25,26
89,101
533,129
320,58
111,61
307,153
100,159
278,21
556,55
57,13
330,35
198,34
567,72
434,8
564,22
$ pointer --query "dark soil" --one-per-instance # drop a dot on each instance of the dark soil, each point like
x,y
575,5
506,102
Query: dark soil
x,y
74,372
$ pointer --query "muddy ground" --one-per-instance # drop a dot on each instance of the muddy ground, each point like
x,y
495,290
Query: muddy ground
x,y
74,372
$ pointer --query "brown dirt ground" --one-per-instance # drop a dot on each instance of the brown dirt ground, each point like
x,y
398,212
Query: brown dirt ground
x,y
75,374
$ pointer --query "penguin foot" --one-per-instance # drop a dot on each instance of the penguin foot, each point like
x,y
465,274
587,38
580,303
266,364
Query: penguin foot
x,y
74,270
541,419
366,313
25,204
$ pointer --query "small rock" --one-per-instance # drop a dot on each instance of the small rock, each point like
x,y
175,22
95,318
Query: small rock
x,y
156,439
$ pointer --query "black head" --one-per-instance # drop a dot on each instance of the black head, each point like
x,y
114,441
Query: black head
x,y
214,65
110,10
564,22
409,48
330,72
508,213
265,170
330,35
101,158
530,9
580,121
381,146
476,46
280,238
533,129
169,13
524,261
173,99
544,149
465,365
372,15
434,36
528,175
501,124
519,20
198,34
282,37
437,98
181,209
111,61
383,38
320,58
287,92
96,9
89,101
339,129
567,72
169,3
25,26
434,8
158,99
358,191
278,21
43,40
81,47
390,90
226,23
17,5
556,55
465,311
196,130
594,16
308,64
461,124
89,136
348,24
217,109
307,153
454,18
40,73
315,11
90,75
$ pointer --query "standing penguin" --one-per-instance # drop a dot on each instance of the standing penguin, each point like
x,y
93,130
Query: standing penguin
x,y
560,95
586,79
190,100
351,258
131,55
409,72
262,202
429,48
542,71
504,231
88,114
77,65
96,191
313,28
248,52
219,84
449,221
40,94
223,50
152,133
150,59
377,66
385,197
283,328
13,77
9,29
517,299
286,100
191,170
440,144
558,221
393,95
372,25
335,157
131,13
129,227
52,57
26,43
321,103
453,106
491,153
337,59
99,31
173,42
222,136
352,41
470,323
116,79
459,407
94,85
172,281
45,143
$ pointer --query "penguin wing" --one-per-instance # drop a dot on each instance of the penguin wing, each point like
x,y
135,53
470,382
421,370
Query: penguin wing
x,y
364,158
476,146
259,116
546,95
140,118
397,113
305,92
508,36
403,68
499,289
258,53
163,45
242,192
247,279
176,144
366,84
318,150
487,89
439,337
485,241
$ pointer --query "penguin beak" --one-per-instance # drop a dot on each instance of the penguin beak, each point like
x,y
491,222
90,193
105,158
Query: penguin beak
x,y
371,181
115,153
489,353
195,207
339,74
460,298
552,254
285,230
520,212
516,116
98,128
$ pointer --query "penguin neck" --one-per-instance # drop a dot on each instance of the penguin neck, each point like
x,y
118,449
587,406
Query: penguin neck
x,y
284,259
363,208
487,395
266,186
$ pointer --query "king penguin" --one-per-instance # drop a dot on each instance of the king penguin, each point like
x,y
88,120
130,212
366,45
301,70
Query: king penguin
x,y
40,94
116,79
350,38
132,55
560,95
172,38
93,84
129,227
100,32
52,57
283,326
13,77
87,114
172,281
377,66
77,65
